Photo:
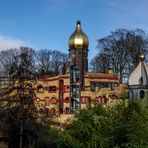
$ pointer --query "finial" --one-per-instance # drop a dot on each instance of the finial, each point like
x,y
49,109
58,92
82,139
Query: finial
x,y
141,57
78,22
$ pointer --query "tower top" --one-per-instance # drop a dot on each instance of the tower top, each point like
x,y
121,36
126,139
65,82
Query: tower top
x,y
141,57
78,39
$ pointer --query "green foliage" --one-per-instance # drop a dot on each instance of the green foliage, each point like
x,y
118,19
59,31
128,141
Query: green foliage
x,y
118,126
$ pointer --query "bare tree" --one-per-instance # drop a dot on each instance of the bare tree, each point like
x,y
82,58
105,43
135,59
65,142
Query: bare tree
x,y
122,48
10,59
51,62
58,62
100,63
44,57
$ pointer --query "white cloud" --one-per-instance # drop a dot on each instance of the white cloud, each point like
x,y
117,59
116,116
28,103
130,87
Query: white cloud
x,y
9,42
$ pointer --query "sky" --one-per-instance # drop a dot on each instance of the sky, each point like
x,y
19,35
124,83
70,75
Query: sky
x,y
49,23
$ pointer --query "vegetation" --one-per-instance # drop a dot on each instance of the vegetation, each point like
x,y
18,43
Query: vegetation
x,y
120,50
18,113
45,62
116,126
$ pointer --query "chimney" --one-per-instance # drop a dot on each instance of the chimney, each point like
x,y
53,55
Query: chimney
x,y
110,71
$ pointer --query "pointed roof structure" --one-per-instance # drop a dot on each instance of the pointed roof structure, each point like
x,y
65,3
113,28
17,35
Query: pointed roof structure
x,y
140,74
78,39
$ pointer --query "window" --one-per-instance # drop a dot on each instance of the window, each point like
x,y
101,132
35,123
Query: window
x,y
53,111
96,86
40,89
141,80
67,100
52,88
67,88
112,86
53,100
46,101
67,111
100,100
83,100
142,94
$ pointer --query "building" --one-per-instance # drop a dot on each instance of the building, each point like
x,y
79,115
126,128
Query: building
x,y
76,89
138,81
68,93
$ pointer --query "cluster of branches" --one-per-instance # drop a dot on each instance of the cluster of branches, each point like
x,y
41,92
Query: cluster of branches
x,y
43,62
120,51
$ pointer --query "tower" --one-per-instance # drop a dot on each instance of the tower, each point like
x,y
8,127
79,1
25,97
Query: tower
x,y
78,54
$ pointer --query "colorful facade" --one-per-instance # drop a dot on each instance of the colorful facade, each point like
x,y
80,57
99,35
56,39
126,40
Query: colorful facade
x,y
78,88
55,98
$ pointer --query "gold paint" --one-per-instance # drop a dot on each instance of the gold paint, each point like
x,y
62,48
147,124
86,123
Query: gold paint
x,y
141,57
78,40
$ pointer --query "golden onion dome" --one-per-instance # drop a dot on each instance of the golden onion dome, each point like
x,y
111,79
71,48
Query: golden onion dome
x,y
141,57
78,40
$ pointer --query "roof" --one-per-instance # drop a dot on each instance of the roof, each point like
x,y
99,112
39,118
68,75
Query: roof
x,y
102,77
139,75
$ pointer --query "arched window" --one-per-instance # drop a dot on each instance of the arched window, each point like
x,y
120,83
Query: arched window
x,y
142,94
67,100
40,89
47,101
53,100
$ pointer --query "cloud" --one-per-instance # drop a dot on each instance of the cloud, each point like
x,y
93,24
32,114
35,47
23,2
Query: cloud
x,y
9,42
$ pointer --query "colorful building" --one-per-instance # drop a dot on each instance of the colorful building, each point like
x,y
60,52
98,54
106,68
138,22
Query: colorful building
x,y
78,88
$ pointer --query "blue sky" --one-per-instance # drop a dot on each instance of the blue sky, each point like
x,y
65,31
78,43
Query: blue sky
x,y
49,23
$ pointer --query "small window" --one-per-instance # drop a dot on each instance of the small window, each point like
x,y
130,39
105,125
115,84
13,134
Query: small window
x,y
52,88
112,86
95,87
53,100
53,111
100,100
67,100
40,89
67,88
141,80
67,111
142,94
83,100
47,101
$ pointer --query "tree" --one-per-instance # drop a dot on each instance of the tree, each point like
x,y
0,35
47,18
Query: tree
x,y
112,126
17,101
100,63
58,62
9,60
44,62
122,49
51,62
